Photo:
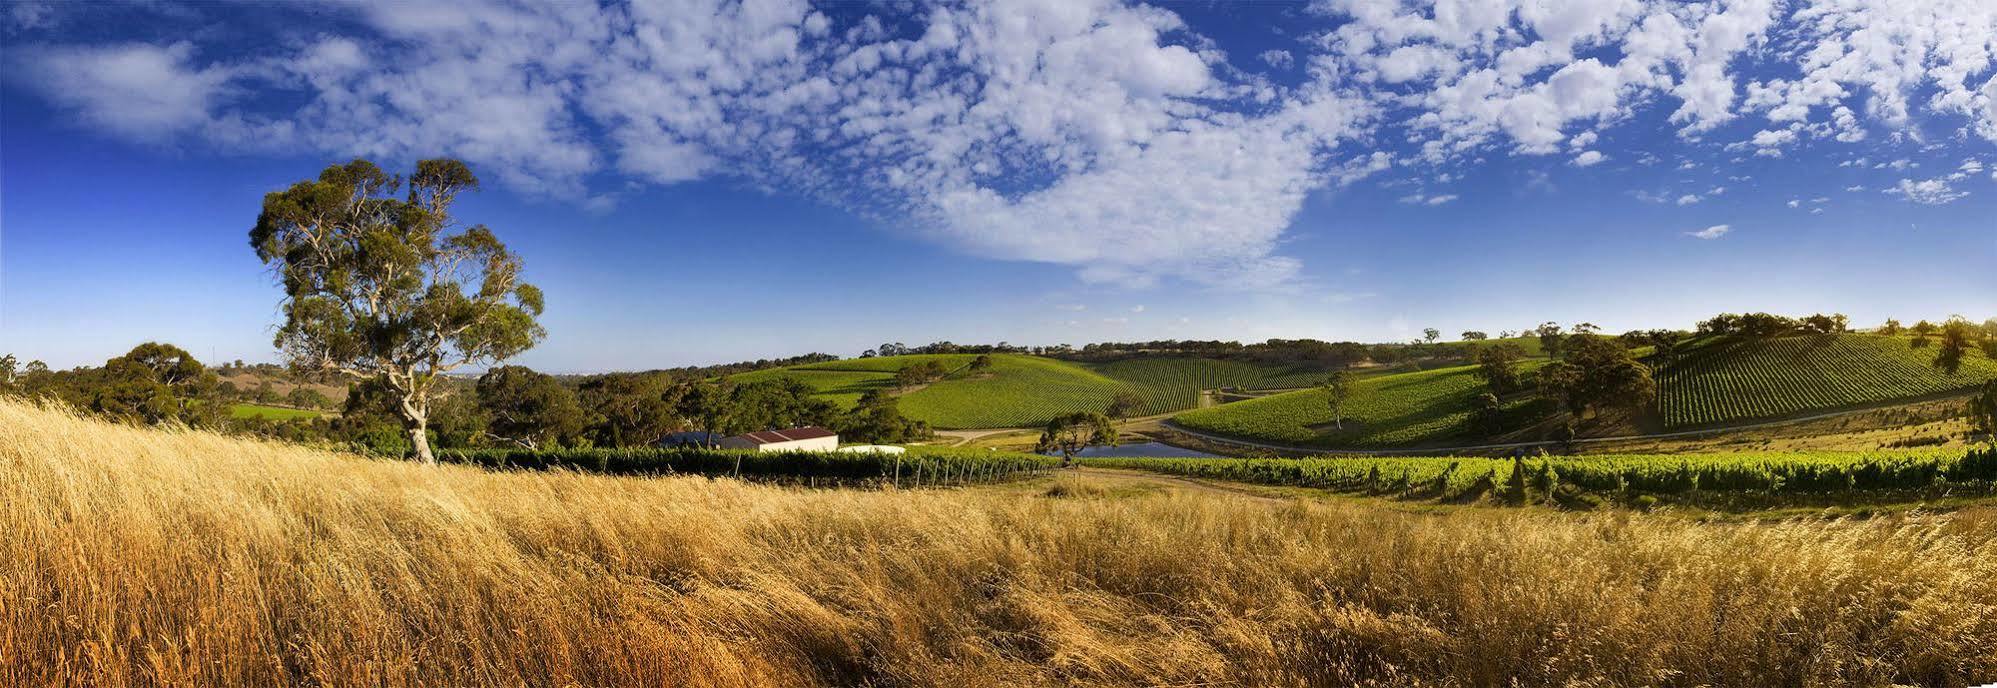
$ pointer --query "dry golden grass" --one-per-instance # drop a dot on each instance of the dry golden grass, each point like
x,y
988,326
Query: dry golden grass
x,y
136,557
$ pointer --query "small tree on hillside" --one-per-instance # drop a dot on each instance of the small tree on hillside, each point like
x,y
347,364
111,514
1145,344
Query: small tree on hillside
x,y
1337,389
981,364
1429,335
1550,338
1956,334
1124,404
1983,412
1598,372
1922,328
1474,336
1074,432
1498,366
1892,327
377,286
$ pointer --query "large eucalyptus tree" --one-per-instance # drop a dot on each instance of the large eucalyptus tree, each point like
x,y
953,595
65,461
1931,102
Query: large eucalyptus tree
x,y
384,285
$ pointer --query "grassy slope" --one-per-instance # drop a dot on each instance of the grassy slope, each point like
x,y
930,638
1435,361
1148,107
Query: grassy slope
x,y
137,557
1733,380
1022,391
270,412
1392,410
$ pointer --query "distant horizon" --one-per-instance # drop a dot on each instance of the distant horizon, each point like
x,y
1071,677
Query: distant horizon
x,y
717,184
1447,337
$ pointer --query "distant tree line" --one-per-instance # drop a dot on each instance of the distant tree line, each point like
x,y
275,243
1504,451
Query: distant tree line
x,y
1771,325
506,407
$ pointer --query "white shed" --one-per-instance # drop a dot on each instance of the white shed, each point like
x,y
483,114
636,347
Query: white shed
x,y
810,438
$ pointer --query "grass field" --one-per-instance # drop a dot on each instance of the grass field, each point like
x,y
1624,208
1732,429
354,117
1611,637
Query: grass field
x,y
136,557
270,412
1731,380
1388,411
1024,391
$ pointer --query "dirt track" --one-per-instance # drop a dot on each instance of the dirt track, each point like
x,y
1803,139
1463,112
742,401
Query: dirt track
x,y
1117,476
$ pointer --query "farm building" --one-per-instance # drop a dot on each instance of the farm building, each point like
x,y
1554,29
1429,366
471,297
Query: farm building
x,y
810,438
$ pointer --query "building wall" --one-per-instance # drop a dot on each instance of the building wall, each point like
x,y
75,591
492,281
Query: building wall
x,y
819,444
813,444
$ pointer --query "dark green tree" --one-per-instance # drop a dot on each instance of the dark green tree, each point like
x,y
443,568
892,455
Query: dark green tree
x,y
1597,372
1982,412
1124,404
1550,338
1488,418
529,409
631,410
381,286
1498,365
1074,432
155,383
1955,342
876,419
708,407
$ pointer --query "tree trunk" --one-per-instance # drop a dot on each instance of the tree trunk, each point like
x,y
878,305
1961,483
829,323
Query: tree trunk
x,y
419,442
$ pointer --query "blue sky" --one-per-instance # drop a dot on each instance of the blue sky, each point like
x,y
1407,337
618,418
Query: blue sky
x,y
693,182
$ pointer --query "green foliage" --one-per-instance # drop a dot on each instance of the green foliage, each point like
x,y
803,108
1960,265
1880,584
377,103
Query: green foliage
x,y
1123,404
1731,379
1776,472
157,383
919,466
380,284
1073,432
530,409
878,420
1982,412
1337,390
1597,372
1956,336
1498,366
630,409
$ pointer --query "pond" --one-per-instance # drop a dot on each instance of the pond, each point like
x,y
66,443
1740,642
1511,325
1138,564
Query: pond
x,y
1146,449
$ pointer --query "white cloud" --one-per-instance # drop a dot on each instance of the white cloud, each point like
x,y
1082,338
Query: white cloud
x,y
1793,203
1687,199
139,91
1713,232
1423,199
1043,130
1139,308
1927,192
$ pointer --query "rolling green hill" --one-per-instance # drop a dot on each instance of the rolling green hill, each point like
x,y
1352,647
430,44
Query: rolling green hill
x,y
1726,380
1386,411
1022,391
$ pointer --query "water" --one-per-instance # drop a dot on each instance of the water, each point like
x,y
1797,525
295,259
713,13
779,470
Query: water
x,y
1146,449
